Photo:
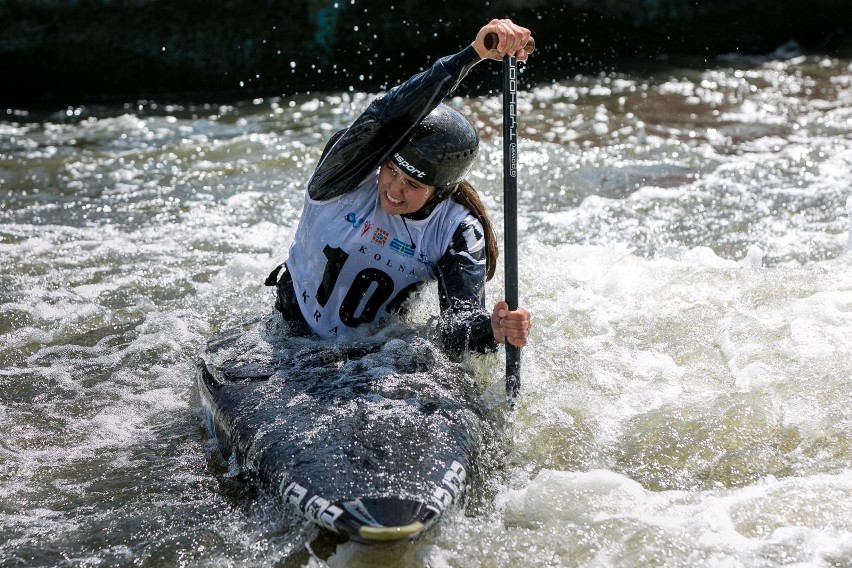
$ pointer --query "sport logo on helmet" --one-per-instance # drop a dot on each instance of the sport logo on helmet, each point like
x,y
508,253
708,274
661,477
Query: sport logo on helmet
x,y
409,168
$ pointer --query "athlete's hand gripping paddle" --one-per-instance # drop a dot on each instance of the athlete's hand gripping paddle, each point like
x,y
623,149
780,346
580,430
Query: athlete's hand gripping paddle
x,y
510,205
491,41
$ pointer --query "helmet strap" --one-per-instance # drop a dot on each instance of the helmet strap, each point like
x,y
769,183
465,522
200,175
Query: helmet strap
x,y
442,192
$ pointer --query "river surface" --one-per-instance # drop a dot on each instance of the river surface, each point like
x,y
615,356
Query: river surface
x,y
684,247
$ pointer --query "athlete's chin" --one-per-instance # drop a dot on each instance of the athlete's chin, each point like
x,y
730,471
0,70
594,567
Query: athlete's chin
x,y
393,208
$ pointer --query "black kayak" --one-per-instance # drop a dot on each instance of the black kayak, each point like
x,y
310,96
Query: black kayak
x,y
372,436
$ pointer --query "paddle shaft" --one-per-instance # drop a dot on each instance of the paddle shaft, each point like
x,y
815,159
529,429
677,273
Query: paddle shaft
x,y
510,204
510,216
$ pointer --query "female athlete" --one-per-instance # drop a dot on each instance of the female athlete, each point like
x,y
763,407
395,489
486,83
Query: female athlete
x,y
388,209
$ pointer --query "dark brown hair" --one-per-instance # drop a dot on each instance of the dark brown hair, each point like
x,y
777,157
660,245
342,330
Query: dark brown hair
x,y
466,195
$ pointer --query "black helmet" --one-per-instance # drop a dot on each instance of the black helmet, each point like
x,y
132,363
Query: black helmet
x,y
440,150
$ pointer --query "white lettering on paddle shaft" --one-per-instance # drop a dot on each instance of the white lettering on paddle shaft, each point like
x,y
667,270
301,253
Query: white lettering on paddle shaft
x,y
513,132
409,168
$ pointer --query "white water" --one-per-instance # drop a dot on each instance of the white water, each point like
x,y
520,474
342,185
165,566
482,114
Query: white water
x,y
686,400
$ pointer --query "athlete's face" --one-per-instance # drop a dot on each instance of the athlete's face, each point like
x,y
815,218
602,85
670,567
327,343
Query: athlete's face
x,y
399,193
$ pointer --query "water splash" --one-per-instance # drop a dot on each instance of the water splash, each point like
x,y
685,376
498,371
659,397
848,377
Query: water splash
x,y
685,241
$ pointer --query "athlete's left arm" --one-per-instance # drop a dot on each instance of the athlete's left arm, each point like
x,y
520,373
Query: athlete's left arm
x,y
465,323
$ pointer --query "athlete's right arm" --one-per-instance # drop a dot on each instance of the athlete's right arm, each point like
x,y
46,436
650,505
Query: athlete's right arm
x,y
358,151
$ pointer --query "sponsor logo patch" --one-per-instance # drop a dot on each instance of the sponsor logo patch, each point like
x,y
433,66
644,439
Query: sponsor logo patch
x,y
402,248
353,219
423,258
380,236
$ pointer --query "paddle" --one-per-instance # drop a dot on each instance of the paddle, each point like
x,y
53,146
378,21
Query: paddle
x,y
510,206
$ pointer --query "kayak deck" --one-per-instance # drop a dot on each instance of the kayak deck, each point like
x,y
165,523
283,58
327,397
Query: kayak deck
x,y
369,437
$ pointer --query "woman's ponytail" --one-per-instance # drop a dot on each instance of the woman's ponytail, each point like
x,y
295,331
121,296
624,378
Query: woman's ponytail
x,y
466,195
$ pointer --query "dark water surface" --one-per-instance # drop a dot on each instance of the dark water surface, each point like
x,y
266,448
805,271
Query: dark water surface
x,y
684,247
